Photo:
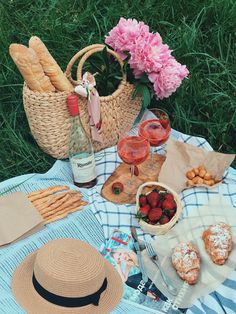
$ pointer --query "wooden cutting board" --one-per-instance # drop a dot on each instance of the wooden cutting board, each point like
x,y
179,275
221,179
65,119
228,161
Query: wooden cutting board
x,y
124,171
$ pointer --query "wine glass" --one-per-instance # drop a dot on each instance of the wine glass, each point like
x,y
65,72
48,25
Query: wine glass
x,y
133,150
157,131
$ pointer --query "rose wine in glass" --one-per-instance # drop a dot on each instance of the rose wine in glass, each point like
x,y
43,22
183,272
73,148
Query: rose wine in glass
x,y
157,132
133,150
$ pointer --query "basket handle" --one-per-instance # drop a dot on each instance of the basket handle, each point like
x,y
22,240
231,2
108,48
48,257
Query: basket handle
x,y
86,53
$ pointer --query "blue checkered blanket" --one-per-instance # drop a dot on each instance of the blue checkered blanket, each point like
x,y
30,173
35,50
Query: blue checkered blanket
x,y
97,221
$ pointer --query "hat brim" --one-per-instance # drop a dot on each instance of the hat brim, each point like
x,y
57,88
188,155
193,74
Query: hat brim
x,y
33,303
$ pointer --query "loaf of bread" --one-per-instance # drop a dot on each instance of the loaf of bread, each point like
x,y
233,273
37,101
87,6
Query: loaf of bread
x,y
29,66
50,66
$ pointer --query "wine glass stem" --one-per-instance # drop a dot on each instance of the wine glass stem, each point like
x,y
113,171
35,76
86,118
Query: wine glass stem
x,y
152,153
132,171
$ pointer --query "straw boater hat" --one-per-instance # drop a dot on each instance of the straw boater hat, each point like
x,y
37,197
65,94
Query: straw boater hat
x,y
67,276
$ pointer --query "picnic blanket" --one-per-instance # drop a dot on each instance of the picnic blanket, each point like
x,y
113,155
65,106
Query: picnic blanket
x,y
96,222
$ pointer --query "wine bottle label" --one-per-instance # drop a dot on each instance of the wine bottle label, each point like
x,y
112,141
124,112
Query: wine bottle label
x,y
83,169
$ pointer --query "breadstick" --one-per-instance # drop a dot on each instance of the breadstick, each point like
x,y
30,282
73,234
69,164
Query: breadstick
x,y
63,210
64,213
53,199
57,201
55,218
53,208
67,210
48,200
41,201
58,208
62,187
45,192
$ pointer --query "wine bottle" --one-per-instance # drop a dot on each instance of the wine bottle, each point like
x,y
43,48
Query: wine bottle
x,y
81,154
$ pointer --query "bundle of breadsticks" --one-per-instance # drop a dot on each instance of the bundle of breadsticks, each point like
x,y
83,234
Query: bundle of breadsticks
x,y
56,202
38,68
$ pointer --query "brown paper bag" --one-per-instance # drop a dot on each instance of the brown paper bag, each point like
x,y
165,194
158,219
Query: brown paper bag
x,y
182,157
18,218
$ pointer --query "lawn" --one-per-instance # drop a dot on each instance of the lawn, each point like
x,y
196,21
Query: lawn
x,y
201,34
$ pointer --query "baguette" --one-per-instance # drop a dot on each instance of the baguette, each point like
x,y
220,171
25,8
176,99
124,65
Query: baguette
x,y
50,66
29,66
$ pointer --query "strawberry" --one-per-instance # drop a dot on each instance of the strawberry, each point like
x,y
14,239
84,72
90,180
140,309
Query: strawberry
x,y
153,198
164,219
160,204
167,204
155,214
151,222
169,212
169,197
117,187
164,122
142,200
172,212
144,210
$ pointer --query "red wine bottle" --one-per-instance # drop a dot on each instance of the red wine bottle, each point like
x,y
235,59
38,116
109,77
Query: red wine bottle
x,y
81,153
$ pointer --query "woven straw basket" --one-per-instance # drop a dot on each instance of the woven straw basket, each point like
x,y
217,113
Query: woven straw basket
x,y
159,229
49,119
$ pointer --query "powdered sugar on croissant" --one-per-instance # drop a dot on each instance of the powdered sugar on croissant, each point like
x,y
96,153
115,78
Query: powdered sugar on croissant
x,y
186,261
218,242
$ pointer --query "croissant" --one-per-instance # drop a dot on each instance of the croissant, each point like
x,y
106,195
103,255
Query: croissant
x,y
186,261
218,242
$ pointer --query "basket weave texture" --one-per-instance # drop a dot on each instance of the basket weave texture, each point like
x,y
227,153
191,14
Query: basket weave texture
x,y
159,229
49,119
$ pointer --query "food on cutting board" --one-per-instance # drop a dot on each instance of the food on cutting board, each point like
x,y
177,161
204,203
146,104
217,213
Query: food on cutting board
x,y
50,66
29,66
218,242
156,207
186,261
199,175
56,202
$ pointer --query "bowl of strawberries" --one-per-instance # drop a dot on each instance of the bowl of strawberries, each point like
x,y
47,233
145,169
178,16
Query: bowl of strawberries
x,y
158,207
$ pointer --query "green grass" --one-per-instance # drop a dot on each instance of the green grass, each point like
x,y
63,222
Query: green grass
x,y
200,33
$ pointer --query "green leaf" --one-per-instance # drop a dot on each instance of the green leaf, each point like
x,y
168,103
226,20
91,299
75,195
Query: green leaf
x,y
146,95
144,79
137,89
145,92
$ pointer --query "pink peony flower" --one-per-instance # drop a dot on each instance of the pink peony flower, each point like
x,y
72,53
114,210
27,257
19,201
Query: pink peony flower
x,y
149,53
124,35
169,78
